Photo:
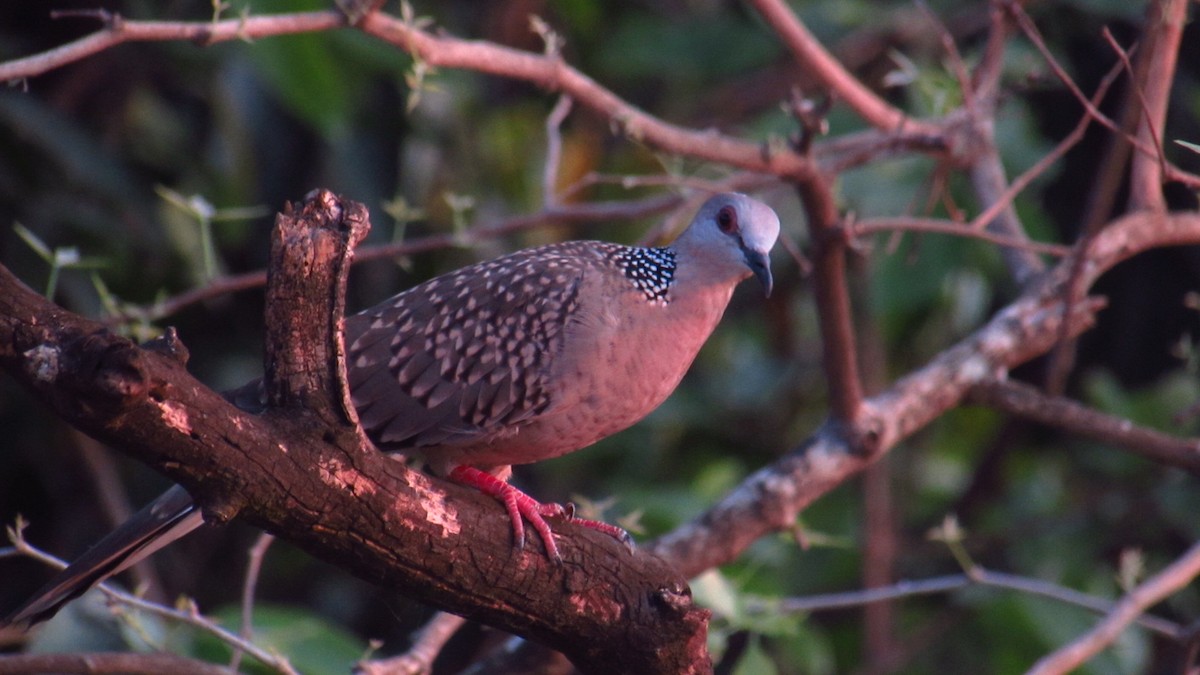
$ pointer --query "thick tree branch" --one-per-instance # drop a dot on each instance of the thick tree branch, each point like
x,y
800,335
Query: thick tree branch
x,y
294,474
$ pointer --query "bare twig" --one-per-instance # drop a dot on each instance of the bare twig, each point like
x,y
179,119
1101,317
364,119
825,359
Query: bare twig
x,y
819,63
1044,163
986,78
933,225
551,72
253,567
118,30
740,182
1174,173
1074,418
1176,576
107,663
1163,31
1062,359
990,185
984,167
838,154
554,150
575,213
1035,36
427,644
978,576
191,618
546,70
1146,118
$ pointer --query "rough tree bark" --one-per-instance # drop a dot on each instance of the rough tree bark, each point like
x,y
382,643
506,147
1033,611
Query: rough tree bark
x,y
302,471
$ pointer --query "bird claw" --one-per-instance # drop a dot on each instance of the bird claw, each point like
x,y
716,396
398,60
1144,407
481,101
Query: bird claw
x,y
567,512
521,507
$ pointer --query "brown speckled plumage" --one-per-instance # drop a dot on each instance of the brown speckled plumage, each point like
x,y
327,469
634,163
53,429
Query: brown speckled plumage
x,y
549,349
466,354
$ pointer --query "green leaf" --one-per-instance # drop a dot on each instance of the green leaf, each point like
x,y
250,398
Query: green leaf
x,y
312,644
755,661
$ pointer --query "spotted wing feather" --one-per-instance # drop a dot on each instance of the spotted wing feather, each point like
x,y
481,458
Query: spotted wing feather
x,y
467,355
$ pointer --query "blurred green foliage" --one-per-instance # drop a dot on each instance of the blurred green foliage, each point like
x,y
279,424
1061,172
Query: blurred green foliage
x,y
311,644
99,157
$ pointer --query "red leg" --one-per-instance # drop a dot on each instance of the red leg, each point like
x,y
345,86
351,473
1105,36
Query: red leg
x,y
519,505
522,507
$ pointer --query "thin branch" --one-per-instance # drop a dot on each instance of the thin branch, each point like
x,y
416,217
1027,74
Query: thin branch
x,y
1175,577
545,70
550,72
1174,173
820,64
1061,359
990,184
1031,31
426,646
990,69
984,168
740,182
118,30
1163,32
107,663
1146,117
1075,418
215,288
191,618
1069,141
933,225
253,567
979,576
957,65
836,155
574,213
554,150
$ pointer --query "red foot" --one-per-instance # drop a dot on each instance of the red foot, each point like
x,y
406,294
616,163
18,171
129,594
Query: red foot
x,y
522,507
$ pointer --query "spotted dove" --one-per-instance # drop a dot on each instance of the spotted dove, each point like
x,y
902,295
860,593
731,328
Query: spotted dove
x,y
510,361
